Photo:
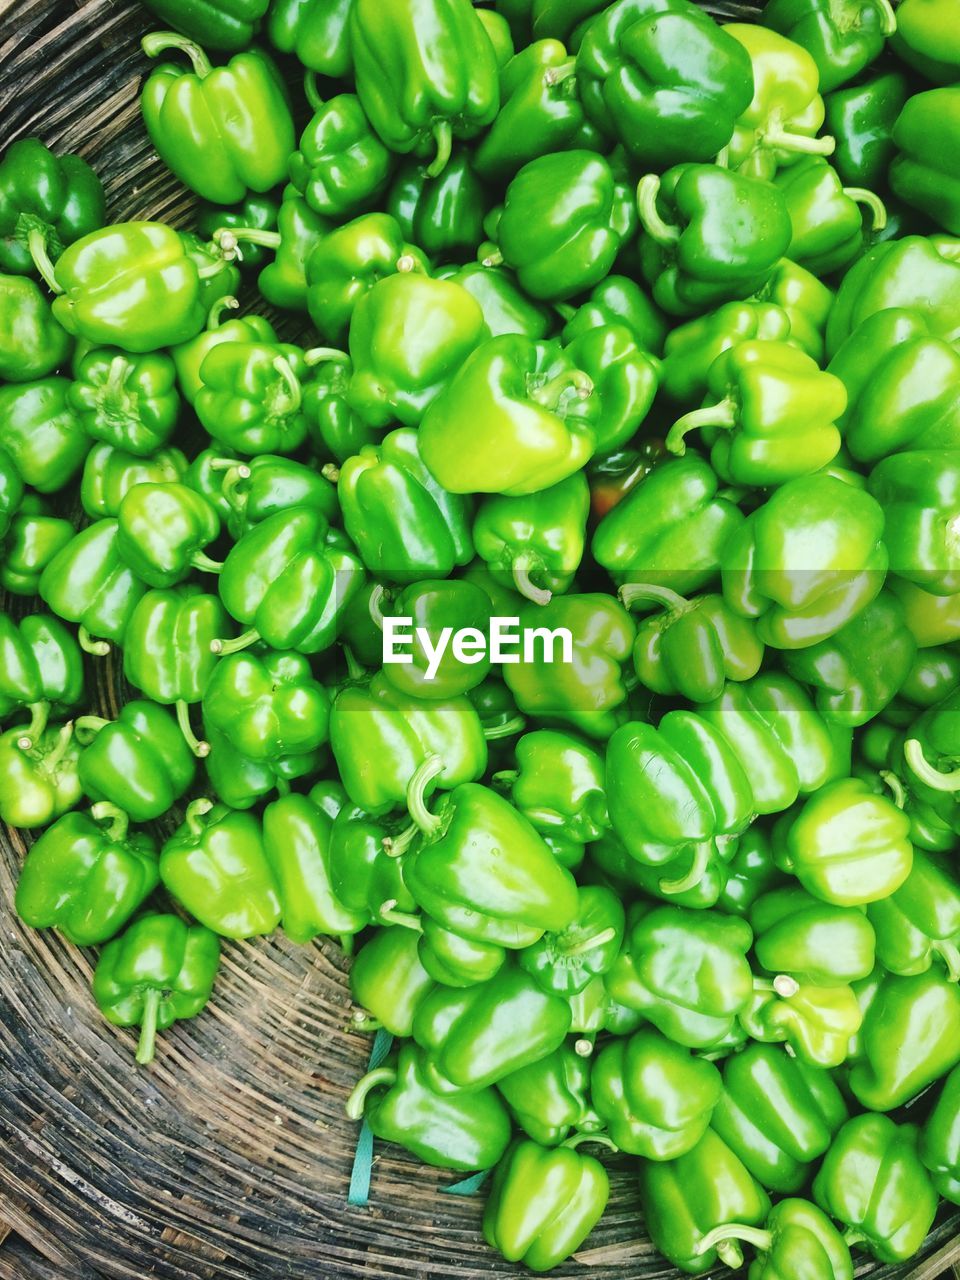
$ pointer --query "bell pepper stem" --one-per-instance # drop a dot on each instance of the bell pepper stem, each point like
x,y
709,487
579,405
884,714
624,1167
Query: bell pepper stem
x,y
505,778
897,789
37,246
871,201
158,41
289,396
242,641
118,821
396,846
389,914
196,809
406,263
205,564
722,158
523,566
312,93
229,239
30,735
113,388
215,314
592,943
723,414
583,1047
648,189
233,487
632,593
949,953
428,822
148,1027
361,1021
493,259
86,728
571,380
227,464
730,1254
354,670
601,1139
330,471
888,19
53,758
372,1080
374,604
783,140
282,787
736,1231
325,355
925,771
852,1237
698,869
443,136
782,985
97,648
564,310
346,941
516,724
563,71
199,748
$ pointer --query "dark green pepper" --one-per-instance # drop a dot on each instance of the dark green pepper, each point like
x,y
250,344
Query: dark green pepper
x,y
42,433
59,198
130,402
139,761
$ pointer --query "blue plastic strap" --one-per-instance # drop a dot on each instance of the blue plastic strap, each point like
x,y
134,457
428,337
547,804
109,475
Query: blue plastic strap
x,y
359,1193
469,1186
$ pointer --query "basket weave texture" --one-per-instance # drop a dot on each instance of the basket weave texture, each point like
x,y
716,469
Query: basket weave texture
x,y
231,1156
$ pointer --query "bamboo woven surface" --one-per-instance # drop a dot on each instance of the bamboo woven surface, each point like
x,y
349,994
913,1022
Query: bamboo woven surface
x,y
231,1156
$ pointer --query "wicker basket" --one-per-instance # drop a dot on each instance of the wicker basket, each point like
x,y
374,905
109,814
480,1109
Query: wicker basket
x,y
231,1156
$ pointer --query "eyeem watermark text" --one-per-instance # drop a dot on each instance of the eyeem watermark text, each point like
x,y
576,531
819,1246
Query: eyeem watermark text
x,y
505,642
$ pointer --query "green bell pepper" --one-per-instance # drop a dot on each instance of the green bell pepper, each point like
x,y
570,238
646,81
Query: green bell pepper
x,y
12,492
443,215
588,692
654,1097
920,273
435,607
828,225
807,302
138,762
796,1239
918,491
477,1035
683,1200
540,112
41,671
750,872
408,335
506,309
566,961
843,39
216,867
88,582
693,647
815,1022
289,581
424,75
544,1203
241,782
770,415
558,785
778,1114
710,236
565,219
167,650
807,561
251,398
861,117
535,542
42,433
299,230
34,537
691,349
315,31
786,112
663,79
380,737
920,922
222,131
872,1182
923,173
940,1140
256,212
686,971
926,41
857,671
618,300
910,1037
550,1097
815,942
347,262
625,379
188,357
334,431
933,620
38,780
128,402
162,530
32,342
267,704
218,273
388,982
341,166
365,875
226,27
159,971
297,843
86,879
449,1131
256,489
58,198
540,418
133,286
848,845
